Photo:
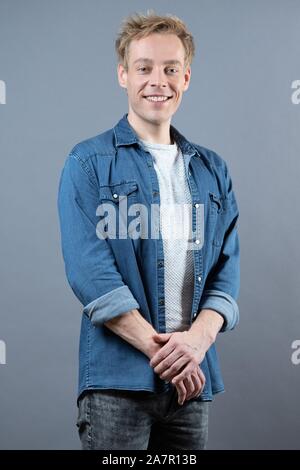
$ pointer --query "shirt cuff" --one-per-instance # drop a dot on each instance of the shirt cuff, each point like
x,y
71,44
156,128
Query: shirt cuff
x,y
222,303
110,305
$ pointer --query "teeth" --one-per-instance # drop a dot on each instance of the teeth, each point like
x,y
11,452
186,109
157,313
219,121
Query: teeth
x,y
156,98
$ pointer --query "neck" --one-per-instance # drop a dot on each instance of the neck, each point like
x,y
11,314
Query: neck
x,y
150,131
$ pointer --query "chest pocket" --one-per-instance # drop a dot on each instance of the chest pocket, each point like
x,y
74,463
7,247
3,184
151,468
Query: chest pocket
x,y
218,215
119,191
117,213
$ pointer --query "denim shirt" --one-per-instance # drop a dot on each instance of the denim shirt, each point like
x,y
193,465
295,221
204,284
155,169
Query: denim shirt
x,y
113,275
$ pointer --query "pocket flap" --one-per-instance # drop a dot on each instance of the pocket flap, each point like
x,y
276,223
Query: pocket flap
x,y
115,192
220,201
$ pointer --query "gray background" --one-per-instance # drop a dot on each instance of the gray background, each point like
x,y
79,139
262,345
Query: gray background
x,y
57,59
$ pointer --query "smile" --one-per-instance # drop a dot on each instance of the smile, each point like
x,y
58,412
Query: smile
x,y
156,99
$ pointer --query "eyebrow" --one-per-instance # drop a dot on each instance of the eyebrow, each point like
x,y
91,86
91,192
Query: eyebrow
x,y
145,59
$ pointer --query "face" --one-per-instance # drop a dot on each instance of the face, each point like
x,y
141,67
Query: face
x,y
155,67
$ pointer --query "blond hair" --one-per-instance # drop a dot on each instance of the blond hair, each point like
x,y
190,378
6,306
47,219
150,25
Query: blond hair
x,y
138,26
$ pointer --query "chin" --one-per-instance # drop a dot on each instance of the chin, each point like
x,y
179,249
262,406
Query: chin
x,y
156,119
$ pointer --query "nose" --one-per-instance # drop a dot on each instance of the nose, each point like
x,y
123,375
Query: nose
x,y
157,78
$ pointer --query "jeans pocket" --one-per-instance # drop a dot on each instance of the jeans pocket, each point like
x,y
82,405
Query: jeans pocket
x,y
174,406
83,421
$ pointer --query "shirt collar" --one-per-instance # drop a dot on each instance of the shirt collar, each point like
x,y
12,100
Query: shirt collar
x,y
126,135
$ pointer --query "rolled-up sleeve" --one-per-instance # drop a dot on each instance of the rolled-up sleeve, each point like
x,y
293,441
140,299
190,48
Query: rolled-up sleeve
x,y
224,304
90,264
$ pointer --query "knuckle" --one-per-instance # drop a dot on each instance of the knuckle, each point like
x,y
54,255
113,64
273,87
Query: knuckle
x,y
172,369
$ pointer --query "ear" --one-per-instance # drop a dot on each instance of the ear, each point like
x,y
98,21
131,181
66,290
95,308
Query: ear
x,y
122,76
187,78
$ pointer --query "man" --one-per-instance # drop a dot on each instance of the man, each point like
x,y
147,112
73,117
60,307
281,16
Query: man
x,y
153,304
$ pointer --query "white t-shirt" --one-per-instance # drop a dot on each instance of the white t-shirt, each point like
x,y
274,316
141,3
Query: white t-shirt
x,y
176,230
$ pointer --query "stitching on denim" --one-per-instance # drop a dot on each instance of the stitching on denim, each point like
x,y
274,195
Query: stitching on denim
x,y
85,168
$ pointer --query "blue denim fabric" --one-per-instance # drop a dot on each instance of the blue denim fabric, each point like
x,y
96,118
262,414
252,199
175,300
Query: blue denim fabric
x,y
114,275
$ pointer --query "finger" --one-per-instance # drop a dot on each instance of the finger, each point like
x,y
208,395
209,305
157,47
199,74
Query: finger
x,y
189,385
171,365
202,379
181,390
198,385
162,354
183,374
162,337
175,368
202,376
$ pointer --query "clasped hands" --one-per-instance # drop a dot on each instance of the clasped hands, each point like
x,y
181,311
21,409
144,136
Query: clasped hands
x,y
177,361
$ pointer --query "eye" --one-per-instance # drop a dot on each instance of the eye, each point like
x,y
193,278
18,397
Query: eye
x,y
145,68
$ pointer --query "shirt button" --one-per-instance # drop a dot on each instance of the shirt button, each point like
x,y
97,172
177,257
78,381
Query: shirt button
x,y
115,195
160,264
194,314
199,278
161,302
197,205
190,173
197,242
155,193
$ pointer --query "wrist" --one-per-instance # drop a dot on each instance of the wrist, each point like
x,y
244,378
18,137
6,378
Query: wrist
x,y
151,347
207,325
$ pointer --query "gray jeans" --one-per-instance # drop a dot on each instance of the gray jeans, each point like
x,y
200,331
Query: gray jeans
x,y
139,420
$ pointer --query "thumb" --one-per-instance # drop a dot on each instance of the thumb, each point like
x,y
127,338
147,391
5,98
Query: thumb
x,y
161,337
